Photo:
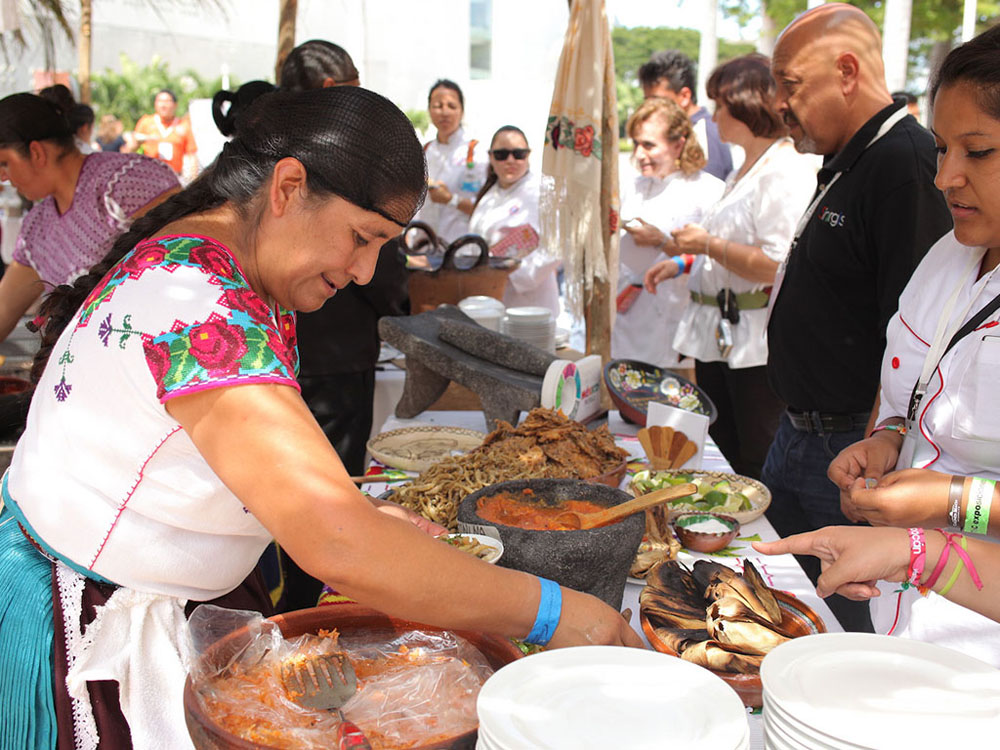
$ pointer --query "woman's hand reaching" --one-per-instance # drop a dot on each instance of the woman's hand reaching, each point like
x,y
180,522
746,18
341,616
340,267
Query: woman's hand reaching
x,y
587,621
853,558
398,511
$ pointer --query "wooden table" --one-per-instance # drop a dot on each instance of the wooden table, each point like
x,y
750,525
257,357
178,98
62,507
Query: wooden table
x,y
781,571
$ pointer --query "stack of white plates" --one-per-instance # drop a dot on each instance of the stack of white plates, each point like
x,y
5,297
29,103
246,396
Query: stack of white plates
x,y
604,697
487,311
534,325
844,691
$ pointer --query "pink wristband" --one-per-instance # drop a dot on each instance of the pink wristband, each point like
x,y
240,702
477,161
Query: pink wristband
x,y
918,556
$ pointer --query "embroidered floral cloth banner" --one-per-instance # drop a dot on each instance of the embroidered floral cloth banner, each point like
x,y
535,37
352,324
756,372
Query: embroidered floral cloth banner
x,y
579,193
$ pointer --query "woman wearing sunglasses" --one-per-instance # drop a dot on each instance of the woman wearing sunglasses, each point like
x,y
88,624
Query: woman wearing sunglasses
x,y
670,191
506,216
456,168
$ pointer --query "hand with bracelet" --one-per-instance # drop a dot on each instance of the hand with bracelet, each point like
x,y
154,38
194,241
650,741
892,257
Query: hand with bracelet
x,y
854,558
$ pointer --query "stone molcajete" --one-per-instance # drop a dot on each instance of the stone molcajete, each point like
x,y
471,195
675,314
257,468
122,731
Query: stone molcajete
x,y
595,561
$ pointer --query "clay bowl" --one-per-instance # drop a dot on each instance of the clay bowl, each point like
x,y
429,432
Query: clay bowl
x,y
346,618
595,561
633,384
796,616
613,477
701,541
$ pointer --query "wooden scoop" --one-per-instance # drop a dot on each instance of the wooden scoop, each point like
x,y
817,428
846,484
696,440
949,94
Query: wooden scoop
x,y
575,520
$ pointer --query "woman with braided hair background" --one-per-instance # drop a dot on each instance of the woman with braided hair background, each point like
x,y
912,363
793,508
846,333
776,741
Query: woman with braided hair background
x,y
167,443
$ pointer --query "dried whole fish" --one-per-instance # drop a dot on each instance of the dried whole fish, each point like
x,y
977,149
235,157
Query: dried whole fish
x,y
745,636
713,656
713,616
680,639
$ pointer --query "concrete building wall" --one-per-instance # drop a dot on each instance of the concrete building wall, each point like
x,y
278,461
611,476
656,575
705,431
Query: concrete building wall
x,y
400,47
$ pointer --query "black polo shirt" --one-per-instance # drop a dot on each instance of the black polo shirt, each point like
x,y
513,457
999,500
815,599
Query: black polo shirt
x,y
844,276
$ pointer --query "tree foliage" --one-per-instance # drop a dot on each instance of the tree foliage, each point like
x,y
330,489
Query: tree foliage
x,y
129,94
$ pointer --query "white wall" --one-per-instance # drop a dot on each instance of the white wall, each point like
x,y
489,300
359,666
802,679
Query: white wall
x,y
400,47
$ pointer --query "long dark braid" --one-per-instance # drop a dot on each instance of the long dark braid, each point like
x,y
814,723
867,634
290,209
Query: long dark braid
x,y
352,142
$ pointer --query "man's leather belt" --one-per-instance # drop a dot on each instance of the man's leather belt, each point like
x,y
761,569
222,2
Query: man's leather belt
x,y
744,300
819,422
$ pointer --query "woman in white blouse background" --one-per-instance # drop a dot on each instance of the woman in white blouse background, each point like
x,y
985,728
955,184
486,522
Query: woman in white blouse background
x,y
738,246
456,165
670,191
506,216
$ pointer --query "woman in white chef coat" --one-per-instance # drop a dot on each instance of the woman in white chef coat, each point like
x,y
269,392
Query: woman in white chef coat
x,y
456,165
954,430
737,247
506,216
671,190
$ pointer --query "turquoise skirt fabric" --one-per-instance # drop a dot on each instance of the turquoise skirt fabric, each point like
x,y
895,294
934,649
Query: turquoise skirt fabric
x,y
28,716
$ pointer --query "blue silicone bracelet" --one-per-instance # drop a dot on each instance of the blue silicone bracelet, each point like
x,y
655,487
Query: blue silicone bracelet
x,y
549,612
679,260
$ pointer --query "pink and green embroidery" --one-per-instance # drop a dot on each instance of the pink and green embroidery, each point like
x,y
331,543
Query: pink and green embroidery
x,y
243,346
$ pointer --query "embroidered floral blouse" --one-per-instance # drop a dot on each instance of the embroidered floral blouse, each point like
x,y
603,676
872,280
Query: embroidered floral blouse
x,y
103,474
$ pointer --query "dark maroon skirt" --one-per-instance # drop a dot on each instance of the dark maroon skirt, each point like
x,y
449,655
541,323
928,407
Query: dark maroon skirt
x,y
252,595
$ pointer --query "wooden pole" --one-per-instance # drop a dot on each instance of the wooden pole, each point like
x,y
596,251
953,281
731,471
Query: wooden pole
x,y
288,10
83,74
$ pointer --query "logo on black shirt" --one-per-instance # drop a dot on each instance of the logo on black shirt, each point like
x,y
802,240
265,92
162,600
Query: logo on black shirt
x,y
833,218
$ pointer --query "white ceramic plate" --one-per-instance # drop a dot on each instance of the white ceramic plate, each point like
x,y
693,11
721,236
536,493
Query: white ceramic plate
x,y
756,492
878,691
607,697
487,541
419,448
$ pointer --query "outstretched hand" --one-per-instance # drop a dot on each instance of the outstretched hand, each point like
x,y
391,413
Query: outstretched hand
x,y
853,558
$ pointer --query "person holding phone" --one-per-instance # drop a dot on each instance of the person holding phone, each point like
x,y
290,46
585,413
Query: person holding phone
x,y
670,190
456,165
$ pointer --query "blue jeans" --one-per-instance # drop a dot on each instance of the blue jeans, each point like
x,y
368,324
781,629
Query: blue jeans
x,y
804,499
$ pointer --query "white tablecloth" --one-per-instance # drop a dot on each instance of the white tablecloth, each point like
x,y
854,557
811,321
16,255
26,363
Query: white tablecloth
x,y
780,572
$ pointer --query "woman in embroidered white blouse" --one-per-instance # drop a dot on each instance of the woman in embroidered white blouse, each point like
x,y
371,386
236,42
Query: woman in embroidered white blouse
x,y
737,247
506,216
167,442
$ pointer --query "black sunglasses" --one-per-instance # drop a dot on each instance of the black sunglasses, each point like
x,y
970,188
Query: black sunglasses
x,y
501,154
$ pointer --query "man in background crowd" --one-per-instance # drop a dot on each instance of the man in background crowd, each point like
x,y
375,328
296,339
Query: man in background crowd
x,y
875,213
167,137
673,75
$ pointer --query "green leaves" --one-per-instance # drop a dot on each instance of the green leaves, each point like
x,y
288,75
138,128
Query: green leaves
x,y
129,93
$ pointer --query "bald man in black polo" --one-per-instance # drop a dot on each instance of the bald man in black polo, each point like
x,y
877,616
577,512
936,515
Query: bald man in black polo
x,y
874,215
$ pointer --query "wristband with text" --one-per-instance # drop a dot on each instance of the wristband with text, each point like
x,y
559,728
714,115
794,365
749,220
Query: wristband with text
x,y
977,510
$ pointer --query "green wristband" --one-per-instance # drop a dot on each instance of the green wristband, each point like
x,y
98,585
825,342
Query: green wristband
x,y
977,513
956,571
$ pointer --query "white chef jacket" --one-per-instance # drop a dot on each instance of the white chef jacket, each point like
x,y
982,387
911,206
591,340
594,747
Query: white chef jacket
x,y
958,416
534,281
762,210
449,163
646,331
